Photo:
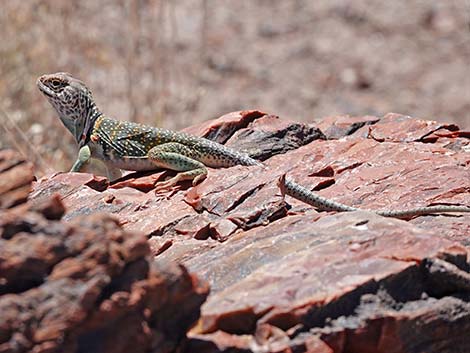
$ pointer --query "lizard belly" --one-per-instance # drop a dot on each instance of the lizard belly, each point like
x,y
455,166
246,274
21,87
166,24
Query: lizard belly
x,y
139,164
114,160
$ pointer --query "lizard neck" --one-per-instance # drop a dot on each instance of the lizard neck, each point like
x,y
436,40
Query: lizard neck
x,y
93,113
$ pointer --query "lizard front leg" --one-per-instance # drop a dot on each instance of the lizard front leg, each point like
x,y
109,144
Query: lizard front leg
x,y
178,157
85,162
83,158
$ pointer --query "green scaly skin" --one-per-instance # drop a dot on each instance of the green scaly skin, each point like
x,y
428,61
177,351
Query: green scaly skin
x,y
132,146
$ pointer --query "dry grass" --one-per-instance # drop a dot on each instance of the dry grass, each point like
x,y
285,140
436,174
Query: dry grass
x,y
173,63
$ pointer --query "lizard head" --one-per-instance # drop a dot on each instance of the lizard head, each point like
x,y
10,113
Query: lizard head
x,y
72,100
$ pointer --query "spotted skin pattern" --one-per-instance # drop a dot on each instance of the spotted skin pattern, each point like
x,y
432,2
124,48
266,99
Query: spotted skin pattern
x,y
122,139
131,146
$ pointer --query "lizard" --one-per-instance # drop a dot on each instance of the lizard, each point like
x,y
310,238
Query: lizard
x,y
131,146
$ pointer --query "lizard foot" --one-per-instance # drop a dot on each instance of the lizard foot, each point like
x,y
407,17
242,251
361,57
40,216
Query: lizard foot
x,y
199,179
168,185
171,184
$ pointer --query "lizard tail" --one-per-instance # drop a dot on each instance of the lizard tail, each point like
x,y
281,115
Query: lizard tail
x,y
422,211
303,194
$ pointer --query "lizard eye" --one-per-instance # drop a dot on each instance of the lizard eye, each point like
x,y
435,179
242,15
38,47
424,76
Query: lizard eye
x,y
55,83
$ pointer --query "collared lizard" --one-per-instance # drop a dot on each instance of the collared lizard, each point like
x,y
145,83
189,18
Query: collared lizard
x,y
131,146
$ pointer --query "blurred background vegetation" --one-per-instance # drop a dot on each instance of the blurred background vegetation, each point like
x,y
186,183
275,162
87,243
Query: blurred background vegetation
x,y
176,63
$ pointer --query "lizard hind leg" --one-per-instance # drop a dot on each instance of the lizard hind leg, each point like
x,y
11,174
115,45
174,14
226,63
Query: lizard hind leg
x,y
180,158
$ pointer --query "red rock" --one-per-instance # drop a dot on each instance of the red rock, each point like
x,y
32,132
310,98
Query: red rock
x,y
223,128
400,128
139,182
269,136
101,275
286,278
336,127
86,285
16,177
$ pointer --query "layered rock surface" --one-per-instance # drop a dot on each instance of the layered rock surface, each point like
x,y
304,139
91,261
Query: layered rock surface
x,y
85,285
285,277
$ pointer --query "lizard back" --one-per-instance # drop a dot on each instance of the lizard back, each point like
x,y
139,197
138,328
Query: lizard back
x,y
125,145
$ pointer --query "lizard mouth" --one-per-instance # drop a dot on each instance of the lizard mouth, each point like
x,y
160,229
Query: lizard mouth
x,y
44,89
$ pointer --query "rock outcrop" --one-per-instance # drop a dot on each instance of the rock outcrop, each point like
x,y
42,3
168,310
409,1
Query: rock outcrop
x,y
85,285
283,276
